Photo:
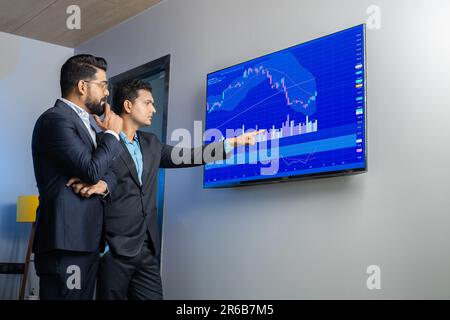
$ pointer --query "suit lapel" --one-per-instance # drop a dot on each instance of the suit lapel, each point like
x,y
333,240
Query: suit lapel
x,y
145,150
129,162
84,133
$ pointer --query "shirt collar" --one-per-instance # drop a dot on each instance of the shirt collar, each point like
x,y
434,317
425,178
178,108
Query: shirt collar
x,y
79,111
125,138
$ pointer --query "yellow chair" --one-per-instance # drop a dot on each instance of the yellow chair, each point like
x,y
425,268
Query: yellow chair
x,y
26,212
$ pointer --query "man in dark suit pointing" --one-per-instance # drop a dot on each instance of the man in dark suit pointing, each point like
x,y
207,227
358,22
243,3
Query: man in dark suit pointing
x,y
130,269
64,145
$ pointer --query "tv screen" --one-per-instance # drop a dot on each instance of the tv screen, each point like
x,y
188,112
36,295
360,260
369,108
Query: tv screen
x,y
310,99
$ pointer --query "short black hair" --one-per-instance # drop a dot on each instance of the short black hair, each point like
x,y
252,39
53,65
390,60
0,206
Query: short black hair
x,y
79,67
128,90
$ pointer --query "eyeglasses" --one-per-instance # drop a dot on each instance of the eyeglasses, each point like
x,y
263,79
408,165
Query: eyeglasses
x,y
102,84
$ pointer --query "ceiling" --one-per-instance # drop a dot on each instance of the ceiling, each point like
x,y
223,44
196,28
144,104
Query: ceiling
x,y
46,20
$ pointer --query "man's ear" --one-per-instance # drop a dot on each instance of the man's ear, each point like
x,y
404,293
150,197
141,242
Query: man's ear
x,y
81,87
127,106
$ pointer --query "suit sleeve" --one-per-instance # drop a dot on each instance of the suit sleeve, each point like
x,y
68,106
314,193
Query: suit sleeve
x,y
65,144
176,157
111,182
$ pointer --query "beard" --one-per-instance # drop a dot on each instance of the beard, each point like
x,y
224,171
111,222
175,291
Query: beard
x,y
96,107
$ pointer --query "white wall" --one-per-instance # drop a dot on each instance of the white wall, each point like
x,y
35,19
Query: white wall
x,y
29,84
308,239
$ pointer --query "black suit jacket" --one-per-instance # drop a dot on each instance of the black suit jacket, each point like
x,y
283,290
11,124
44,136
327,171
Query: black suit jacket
x,y
132,209
62,148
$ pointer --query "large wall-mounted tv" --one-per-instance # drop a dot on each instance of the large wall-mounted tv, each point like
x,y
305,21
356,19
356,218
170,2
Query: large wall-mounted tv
x,y
310,99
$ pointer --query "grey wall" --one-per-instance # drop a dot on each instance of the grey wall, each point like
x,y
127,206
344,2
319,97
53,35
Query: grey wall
x,y
29,84
309,239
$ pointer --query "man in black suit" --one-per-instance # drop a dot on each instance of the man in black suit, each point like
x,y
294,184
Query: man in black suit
x,y
64,145
130,269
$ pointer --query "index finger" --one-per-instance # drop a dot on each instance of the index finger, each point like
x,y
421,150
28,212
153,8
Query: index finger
x,y
107,109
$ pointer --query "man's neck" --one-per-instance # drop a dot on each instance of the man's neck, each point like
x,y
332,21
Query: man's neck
x,y
78,102
129,129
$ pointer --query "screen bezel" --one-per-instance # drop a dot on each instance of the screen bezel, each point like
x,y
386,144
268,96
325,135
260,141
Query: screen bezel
x,y
308,176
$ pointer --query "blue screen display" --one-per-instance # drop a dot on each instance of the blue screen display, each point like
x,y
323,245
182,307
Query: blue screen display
x,y
309,98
